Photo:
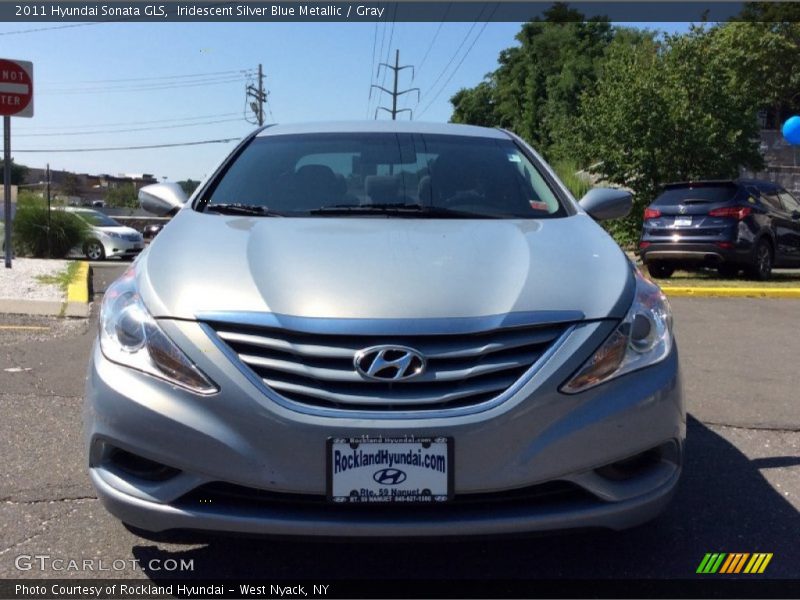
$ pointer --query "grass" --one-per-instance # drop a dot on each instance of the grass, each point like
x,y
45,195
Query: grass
x,y
61,279
710,278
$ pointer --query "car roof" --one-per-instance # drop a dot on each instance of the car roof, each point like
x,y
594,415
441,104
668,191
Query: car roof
x,y
383,127
760,183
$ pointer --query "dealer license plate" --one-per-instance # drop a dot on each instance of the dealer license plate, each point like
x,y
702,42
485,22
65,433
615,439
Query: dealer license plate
x,y
683,221
388,470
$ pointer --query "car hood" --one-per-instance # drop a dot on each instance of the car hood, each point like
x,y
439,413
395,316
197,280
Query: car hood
x,y
383,268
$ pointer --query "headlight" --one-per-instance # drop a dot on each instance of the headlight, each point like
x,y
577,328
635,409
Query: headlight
x,y
114,234
130,336
643,338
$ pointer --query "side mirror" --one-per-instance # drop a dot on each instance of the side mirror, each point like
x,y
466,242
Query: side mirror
x,y
607,203
162,199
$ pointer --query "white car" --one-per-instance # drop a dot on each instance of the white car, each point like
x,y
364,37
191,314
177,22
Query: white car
x,y
108,238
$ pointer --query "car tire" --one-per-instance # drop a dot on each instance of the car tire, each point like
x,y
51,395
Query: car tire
x,y
660,270
761,268
93,250
728,270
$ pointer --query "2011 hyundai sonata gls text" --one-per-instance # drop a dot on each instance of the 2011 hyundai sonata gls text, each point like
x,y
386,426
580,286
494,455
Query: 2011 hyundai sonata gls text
x,y
384,329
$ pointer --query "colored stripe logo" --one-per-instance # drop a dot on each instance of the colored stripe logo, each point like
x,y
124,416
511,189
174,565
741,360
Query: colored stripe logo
x,y
734,563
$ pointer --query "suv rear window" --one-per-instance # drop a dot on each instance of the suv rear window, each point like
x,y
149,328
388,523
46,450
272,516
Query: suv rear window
x,y
697,194
297,175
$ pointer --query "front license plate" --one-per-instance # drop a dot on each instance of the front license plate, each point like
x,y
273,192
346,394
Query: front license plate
x,y
683,221
389,470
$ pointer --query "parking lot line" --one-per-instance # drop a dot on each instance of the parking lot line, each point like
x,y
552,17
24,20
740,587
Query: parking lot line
x,y
24,327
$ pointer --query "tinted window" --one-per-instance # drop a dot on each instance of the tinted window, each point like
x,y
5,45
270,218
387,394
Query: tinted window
x,y
95,218
771,200
700,194
789,203
295,174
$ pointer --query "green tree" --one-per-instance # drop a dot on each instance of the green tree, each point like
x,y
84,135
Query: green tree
x,y
123,196
189,186
663,111
535,90
71,185
18,173
763,58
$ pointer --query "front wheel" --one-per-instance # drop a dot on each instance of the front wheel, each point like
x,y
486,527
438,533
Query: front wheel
x,y
660,270
94,250
761,269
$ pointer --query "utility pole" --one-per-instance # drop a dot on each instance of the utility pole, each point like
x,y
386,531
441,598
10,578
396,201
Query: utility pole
x,y
259,97
394,93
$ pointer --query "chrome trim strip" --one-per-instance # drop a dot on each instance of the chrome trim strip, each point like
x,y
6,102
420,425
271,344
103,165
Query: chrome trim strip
x,y
406,327
384,414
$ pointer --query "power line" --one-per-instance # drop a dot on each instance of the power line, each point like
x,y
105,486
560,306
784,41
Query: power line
x,y
188,75
37,29
118,124
375,77
428,51
463,58
455,54
389,46
435,35
113,148
144,88
372,66
105,131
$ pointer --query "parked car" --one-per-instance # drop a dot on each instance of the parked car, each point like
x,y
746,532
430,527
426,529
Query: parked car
x,y
151,230
108,238
384,329
731,225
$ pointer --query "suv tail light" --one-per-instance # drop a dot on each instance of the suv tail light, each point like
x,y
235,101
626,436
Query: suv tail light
x,y
651,213
737,212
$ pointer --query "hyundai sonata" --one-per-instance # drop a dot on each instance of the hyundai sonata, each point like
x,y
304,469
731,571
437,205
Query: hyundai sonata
x,y
384,329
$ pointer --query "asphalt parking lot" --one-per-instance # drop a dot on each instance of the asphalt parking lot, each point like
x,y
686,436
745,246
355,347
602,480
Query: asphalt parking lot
x,y
740,491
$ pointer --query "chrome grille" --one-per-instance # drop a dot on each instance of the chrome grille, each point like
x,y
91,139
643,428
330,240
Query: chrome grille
x,y
318,370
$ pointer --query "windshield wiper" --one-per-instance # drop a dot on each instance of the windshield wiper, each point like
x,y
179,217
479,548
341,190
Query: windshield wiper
x,y
408,210
242,209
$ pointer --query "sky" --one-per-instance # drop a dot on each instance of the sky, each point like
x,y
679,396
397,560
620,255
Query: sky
x,y
109,85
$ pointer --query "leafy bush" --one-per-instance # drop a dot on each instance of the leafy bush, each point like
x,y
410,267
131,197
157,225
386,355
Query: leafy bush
x,y
30,232
570,175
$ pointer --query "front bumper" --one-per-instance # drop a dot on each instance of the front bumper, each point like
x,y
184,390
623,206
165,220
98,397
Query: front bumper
x,y
241,437
121,247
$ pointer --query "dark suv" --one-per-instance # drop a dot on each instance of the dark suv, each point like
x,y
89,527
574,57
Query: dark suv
x,y
731,225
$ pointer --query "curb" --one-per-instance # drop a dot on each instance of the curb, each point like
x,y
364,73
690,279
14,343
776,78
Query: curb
x,y
77,303
729,292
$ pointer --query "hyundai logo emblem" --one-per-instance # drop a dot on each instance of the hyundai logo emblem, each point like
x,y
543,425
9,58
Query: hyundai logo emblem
x,y
389,363
389,476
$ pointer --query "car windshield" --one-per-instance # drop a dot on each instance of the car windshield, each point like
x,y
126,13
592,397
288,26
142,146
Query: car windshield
x,y
384,174
96,219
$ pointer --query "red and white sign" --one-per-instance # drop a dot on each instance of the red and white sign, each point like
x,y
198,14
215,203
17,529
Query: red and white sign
x,y
16,88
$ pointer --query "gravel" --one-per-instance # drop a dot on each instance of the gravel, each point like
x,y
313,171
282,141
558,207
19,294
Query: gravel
x,y
20,283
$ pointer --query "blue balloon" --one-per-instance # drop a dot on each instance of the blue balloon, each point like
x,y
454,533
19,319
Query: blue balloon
x,y
791,130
